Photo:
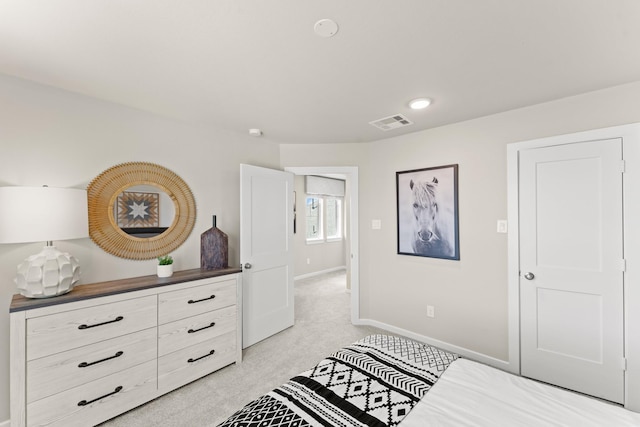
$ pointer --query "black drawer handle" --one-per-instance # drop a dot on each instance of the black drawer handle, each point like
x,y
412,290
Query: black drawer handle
x,y
85,364
211,325
201,357
200,300
117,319
85,403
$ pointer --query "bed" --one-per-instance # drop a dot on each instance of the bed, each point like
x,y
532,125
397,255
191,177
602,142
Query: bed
x,y
385,380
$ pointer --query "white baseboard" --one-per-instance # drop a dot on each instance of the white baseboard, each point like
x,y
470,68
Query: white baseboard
x,y
316,273
466,353
6,423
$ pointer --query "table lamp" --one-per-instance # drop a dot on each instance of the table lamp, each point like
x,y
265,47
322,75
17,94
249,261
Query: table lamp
x,y
45,214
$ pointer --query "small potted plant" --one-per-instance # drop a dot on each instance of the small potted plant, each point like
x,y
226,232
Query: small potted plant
x,y
165,266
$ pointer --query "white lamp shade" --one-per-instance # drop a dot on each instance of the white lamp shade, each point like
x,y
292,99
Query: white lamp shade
x,y
41,214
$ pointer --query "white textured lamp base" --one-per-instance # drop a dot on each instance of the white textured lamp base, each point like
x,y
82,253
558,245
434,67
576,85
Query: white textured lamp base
x,y
47,274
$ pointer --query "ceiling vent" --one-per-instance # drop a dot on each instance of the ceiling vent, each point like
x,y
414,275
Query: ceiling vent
x,y
392,122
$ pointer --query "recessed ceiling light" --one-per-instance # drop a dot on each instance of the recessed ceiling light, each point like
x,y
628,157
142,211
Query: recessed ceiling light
x,y
420,103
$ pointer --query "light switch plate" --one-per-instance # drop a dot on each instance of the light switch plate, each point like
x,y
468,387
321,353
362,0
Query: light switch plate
x,y
376,224
431,311
502,226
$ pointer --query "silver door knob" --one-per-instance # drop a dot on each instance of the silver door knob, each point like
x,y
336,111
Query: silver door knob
x,y
247,266
529,276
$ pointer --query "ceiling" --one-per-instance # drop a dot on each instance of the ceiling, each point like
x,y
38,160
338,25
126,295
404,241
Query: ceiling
x,y
240,64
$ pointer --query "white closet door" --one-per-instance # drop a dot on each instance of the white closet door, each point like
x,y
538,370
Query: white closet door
x,y
571,260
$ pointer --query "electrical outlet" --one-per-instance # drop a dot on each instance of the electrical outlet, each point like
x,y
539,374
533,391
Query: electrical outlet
x,y
308,260
431,311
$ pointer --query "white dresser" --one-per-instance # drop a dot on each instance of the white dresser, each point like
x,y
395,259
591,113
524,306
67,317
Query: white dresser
x,y
85,357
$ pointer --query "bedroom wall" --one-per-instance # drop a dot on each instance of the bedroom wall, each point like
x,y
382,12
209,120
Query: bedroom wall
x,y
62,139
321,256
52,137
470,295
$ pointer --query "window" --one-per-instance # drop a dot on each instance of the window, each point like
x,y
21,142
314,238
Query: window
x,y
333,214
313,213
323,218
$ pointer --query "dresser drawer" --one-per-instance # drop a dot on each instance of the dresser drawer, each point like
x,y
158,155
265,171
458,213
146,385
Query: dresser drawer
x,y
194,330
94,402
62,371
196,300
60,332
183,366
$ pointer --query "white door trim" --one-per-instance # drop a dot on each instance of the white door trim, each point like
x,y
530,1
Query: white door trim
x,y
351,172
631,149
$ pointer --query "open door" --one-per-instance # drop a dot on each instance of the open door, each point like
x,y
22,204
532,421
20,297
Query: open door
x,y
266,252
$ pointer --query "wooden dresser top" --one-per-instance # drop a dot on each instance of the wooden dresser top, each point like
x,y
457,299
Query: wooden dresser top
x,y
101,289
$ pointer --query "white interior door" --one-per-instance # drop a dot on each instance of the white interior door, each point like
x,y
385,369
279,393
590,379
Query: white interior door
x,y
266,237
571,262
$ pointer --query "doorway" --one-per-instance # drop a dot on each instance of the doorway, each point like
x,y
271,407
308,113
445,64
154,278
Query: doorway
x,y
350,174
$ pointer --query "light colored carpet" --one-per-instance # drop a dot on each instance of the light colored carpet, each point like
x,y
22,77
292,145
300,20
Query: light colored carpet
x,y
322,326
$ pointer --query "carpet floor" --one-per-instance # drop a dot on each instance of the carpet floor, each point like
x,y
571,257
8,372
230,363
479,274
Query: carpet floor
x,y
322,326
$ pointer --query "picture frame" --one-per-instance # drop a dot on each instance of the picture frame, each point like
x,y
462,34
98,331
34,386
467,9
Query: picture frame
x,y
138,210
427,212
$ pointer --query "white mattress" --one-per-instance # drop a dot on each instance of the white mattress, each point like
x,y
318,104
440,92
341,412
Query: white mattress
x,y
472,394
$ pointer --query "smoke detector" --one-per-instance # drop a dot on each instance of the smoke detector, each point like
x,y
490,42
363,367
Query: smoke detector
x,y
325,28
255,132
392,122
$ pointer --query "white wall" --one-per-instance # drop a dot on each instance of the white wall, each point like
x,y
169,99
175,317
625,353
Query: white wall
x,y
470,295
61,139
321,256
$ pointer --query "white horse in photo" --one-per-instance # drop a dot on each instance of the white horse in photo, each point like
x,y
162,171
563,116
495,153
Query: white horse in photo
x,y
433,225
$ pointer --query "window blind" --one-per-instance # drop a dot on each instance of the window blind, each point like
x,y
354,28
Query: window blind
x,y
324,186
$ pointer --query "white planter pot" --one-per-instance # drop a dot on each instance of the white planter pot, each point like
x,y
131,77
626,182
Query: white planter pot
x,y
165,270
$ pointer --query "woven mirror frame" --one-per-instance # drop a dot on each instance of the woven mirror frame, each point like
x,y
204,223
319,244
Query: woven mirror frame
x,y
102,194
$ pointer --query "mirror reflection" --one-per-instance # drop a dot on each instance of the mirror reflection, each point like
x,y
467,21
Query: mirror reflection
x,y
144,211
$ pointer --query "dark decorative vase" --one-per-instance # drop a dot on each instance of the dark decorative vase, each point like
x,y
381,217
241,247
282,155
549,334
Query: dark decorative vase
x,y
214,248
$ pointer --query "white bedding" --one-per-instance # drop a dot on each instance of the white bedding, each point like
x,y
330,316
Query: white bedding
x,y
472,394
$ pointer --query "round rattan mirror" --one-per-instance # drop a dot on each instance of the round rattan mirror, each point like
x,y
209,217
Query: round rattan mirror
x,y
107,208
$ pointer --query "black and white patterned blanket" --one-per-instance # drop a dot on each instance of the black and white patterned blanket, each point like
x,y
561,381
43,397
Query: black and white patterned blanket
x,y
373,382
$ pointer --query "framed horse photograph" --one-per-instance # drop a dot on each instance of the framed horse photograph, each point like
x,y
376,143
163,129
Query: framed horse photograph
x,y
427,203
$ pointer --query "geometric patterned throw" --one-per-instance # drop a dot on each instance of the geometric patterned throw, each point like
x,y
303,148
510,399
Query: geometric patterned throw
x,y
374,382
